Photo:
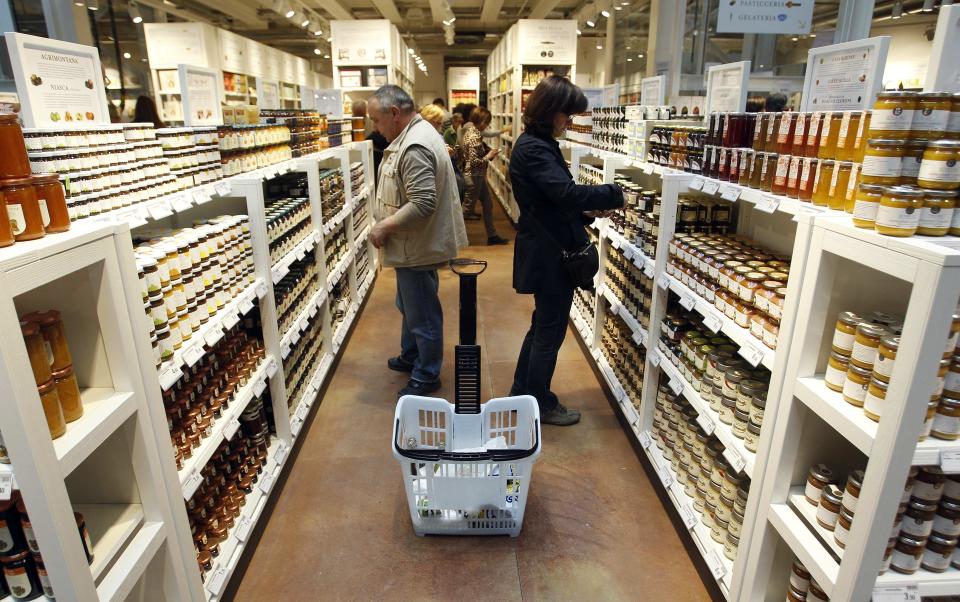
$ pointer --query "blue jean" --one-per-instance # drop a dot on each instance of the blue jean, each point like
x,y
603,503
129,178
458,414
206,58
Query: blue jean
x,y
421,334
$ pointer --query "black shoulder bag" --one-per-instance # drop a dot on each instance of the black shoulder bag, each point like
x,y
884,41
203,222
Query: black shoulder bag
x,y
581,265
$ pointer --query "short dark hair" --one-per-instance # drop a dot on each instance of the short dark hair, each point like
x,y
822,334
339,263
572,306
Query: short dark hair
x,y
393,96
439,102
479,115
553,95
465,109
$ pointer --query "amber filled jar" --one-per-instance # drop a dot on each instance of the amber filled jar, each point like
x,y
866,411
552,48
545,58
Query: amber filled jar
x,y
50,401
808,175
26,221
821,184
846,138
836,373
14,162
899,212
845,332
946,422
940,168
851,493
866,205
813,134
883,161
912,160
907,554
68,393
842,529
918,519
786,132
946,523
53,205
875,400
865,345
937,213
829,508
36,351
893,115
6,230
830,131
818,478
855,385
932,116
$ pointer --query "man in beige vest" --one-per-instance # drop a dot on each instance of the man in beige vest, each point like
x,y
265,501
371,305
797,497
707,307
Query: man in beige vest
x,y
419,229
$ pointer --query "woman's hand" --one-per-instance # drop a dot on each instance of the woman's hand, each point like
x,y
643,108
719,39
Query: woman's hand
x,y
599,214
493,153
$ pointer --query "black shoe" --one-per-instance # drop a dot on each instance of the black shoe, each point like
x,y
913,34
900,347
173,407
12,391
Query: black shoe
x,y
398,364
560,416
471,217
497,240
419,387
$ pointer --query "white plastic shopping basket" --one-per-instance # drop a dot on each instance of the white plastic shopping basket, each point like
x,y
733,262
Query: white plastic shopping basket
x,y
467,466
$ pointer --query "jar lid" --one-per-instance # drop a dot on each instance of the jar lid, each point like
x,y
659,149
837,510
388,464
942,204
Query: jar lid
x,y
863,373
941,194
799,569
871,188
911,540
840,358
904,191
922,505
946,144
871,330
855,478
948,400
821,472
753,427
935,96
951,505
832,493
897,94
885,142
879,384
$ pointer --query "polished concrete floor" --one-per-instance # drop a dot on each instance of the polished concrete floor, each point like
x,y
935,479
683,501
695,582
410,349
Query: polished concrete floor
x,y
594,529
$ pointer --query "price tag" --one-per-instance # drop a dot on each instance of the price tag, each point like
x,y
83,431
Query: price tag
x,y
193,353
666,477
751,354
270,172
710,187
706,422
266,482
304,407
246,305
655,359
259,387
222,188
169,375
768,204
231,429
261,288
217,580
663,282
647,168
243,528
213,336
687,302
281,454
295,426
321,299
716,566
279,272
191,484
615,243
136,219
181,203
950,461
230,320
648,270
689,518
304,323
638,338
631,412
285,350
295,336
6,485
202,196
676,385
696,184
713,321
159,210
735,459
904,593
272,367
301,253
730,193
645,440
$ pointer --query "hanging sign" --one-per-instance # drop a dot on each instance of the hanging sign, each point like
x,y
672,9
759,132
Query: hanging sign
x,y
727,87
268,94
330,101
653,91
765,16
200,90
361,42
547,41
59,83
845,77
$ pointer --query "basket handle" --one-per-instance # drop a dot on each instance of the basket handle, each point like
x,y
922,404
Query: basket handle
x,y
491,455
465,266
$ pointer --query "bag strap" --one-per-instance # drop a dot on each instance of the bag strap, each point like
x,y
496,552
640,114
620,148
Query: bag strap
x,y
542,229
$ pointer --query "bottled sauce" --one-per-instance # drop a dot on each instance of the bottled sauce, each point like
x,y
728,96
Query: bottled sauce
x,y
808,175
899,212
23,208
893,115
940,168
937,212
829,133
883,161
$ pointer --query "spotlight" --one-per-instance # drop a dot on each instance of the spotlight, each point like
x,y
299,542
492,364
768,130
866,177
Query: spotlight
x,y
135,15
579,33
318,32
605,13
93,4
305,23
599,46
591,23
317,51
410,51
127,55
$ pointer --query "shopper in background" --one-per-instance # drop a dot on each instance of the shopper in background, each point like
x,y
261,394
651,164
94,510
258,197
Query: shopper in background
x,y
146,112
439,102
419,229
476,156
553,213
433,115
450,134
775,103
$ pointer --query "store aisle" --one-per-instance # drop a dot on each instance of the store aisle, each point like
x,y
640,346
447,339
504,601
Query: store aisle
x,y
594,528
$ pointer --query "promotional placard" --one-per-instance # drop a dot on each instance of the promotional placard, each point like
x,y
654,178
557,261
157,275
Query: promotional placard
x,y
361,42
200,91
547,41
765,16
594,97
172,44
308,98
268,94
653,91
463,78
845,77
330,101
727,87
59,83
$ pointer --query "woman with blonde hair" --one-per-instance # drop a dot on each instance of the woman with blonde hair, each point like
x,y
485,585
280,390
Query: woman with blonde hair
x,y
433,115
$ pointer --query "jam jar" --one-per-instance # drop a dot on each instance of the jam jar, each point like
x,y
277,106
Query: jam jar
x,y
893,115
23,208
13,161
818,478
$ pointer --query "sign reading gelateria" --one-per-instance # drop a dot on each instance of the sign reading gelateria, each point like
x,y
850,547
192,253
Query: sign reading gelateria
x,y
765,16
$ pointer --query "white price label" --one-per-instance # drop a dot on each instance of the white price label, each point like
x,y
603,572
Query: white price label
x,y
735,459
768,204
259,388
710,187
663,281
192,484
638,261
730,193
295,426
312,310
169,375
222,188
301,253
666,477
213,336
676,385
645,440
266,482
6,485
631,412
655,359
647,168
716,566
281,454
181,203
245,306
304,408
648,270
285,350
270,172
295,337
160,210
950,461
230,429
614,242
304,323
706,422
713,321
696,184
218,579
637,338
751,354
201,196
689,518
272,367
136,219
627,252
687,302
904,593
230,320
244,525
278,272
261,288
192,354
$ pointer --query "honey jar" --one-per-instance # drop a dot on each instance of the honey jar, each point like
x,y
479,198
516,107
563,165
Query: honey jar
x,y
899,212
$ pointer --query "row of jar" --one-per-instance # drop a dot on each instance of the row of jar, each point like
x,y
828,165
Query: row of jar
x,y
245,137
116,155
675,138
639,221
52,365
294,291
208,388
927,525
32,207
802,587
629,285
332,195
186,137
835,506
719,492
690,161
335,246
625,356
237,162
285,217
229,477
305,357
86,136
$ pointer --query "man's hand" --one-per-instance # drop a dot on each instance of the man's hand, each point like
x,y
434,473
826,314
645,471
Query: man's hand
x,y
379,233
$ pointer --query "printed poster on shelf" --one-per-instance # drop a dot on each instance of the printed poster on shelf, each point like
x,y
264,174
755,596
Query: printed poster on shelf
x,y
59,83
361,42
765,16
548,41
727,87
653,91
201,95
269,94
845,77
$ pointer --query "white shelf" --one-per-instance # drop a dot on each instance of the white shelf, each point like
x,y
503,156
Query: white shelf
x,y
808,512
736,453
751,348
299,416
210,333
282,266
104,410
640,335
582,327
338,270
805,545
224,427
333,224
110,527
292,335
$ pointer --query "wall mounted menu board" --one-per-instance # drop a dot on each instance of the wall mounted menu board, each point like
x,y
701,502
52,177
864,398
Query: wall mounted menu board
x,y
548,41
59,83
845,77
200,90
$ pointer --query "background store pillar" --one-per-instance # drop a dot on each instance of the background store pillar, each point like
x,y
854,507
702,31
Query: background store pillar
x,y
66,21
608,53
854,20
665,44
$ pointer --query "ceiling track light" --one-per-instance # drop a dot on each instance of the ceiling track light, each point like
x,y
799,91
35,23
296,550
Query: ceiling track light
x,y
897,11
605,13
93,4
305,23
79,3
135,15
591,23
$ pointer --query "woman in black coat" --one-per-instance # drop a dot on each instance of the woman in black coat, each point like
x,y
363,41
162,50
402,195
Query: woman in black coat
x,y
553,213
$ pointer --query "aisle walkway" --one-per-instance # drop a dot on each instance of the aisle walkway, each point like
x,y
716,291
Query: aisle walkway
x,y
594,530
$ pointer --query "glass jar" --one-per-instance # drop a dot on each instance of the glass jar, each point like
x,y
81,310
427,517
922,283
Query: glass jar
x,y
932,115
918,519
812,142
899,212
883,161
36,351
53,204
839,183
821,183
866,205
846,138
907,554
845,332
819,476
808,175
938,552
851,493
6,230
26,221
946,422
830,131
50,401
929,484
946,523
836,372
940,168
912,160
14,162
786,132
768,171
782,170
937,212
20,575
751,440
875,400
855,385
841,532
893,115
829,507
799,576
866,344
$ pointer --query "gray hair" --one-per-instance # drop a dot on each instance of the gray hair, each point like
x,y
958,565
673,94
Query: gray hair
x,y
393,96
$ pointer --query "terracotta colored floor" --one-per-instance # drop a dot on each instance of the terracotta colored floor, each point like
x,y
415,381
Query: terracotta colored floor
x,y
340,529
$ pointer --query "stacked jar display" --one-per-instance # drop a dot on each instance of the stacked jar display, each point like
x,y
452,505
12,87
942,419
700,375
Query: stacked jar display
x,y
363,262
247,147
609,128
52,366
632,288
308,128
836,506
925,532
625,356
677,147
294,291
303,361
192,154
709,362
289,222
583,304
358,177
340,300
188,275
208,388
331,194
228,478
745,282
335,246
718,492
802,587
639,221
862,355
